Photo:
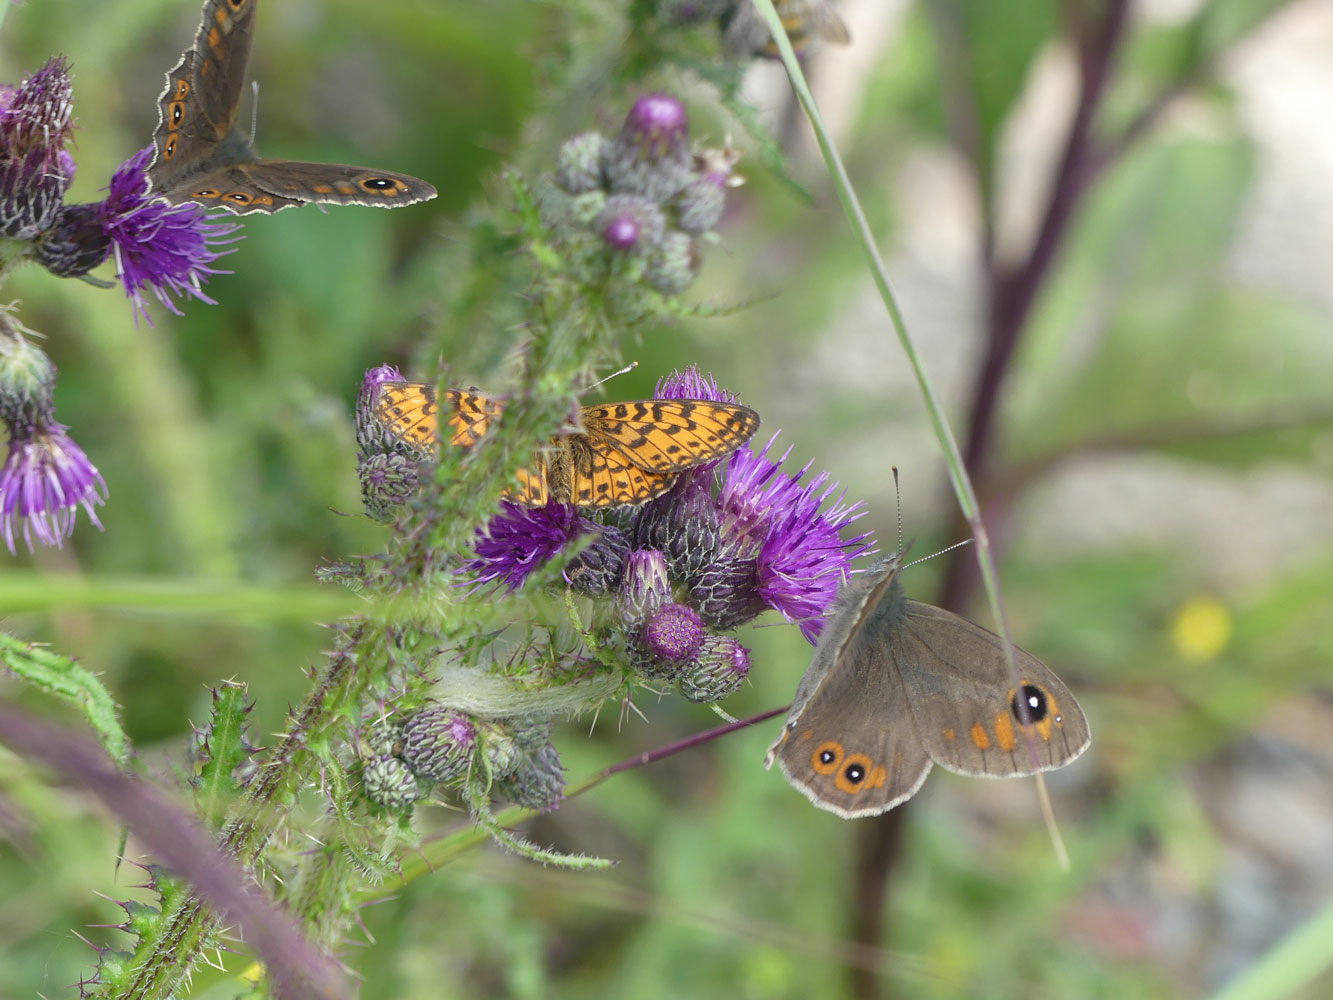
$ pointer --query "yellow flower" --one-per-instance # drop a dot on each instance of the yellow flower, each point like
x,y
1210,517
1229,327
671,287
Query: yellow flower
x,y
1201,629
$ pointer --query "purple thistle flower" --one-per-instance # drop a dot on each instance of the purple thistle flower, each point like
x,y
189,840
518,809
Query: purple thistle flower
x,y
371,436
801,558
166,248
674,632
519,540
46,478
35,168
692,384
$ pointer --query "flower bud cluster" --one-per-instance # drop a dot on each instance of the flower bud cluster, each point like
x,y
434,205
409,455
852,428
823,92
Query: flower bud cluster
x,y
442,745
640,201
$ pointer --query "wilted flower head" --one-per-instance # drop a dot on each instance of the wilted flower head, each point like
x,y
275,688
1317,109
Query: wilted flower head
x,y
46,477
168,249
76,242
35,167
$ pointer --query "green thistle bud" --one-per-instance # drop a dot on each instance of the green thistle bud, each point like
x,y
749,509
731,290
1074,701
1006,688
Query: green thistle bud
x,y
389,782
631,223
501,751
539,781
584,209
700,205
438,743
388,481
719,670
673,267
578,165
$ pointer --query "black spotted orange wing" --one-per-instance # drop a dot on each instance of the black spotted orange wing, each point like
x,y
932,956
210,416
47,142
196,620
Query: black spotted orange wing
x,y
627,454
410,412
630,453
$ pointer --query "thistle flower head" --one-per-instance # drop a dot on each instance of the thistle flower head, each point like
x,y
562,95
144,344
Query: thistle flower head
x,y
519,540
75,243
801,558
166,249
675,263
538,779
46,477
651,155
674,632
631,222
35,167
645,586
371,435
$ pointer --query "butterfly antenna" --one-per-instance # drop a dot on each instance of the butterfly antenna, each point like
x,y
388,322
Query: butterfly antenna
x,y
254,110
898,500
624,371
955,545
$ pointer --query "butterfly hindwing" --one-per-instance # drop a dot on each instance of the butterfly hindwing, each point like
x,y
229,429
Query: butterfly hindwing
x,y
963,698
591,475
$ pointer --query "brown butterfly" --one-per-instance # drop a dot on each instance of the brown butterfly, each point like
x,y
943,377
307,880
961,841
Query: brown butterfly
x,y
897,685
200,156
625,454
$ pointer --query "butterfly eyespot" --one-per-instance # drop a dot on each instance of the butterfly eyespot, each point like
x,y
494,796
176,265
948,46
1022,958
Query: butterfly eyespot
x,y
169,148
381,184
206,193
827,757
858,773
182,90
1029,705
176,114
239,197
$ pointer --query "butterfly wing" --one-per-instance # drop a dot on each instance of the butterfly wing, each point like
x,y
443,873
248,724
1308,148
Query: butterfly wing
x,y
199,157
849,743
668,435
587,473
198,105
853,748
296,181
410,412
964,702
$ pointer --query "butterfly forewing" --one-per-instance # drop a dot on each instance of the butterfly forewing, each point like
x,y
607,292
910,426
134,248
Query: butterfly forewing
x,y
669,435
963,699
598,476
200,156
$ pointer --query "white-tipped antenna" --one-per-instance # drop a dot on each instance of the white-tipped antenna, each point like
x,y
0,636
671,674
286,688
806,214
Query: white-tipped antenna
x,y
898,500
254,111
898,496
624,371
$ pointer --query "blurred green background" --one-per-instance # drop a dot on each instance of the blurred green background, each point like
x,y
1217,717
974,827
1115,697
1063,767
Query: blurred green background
x,y
1161,475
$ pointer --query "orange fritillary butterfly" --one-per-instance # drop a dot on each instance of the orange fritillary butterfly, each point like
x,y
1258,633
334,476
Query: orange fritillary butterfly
x,y
626,454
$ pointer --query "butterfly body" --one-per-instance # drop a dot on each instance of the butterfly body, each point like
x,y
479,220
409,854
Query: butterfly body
x,y
620,454
200,156
897,685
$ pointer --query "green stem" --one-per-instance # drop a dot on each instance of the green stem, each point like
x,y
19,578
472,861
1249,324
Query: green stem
x,y
962,483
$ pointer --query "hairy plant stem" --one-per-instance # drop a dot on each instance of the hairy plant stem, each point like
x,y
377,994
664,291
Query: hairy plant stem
x,y
168,959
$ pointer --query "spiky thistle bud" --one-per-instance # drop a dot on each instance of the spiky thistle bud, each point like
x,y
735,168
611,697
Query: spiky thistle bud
x,y
438,743
578,165
389,782
651,155
718,671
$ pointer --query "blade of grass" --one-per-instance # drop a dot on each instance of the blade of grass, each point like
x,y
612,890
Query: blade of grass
x,y
1294,961
962,484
